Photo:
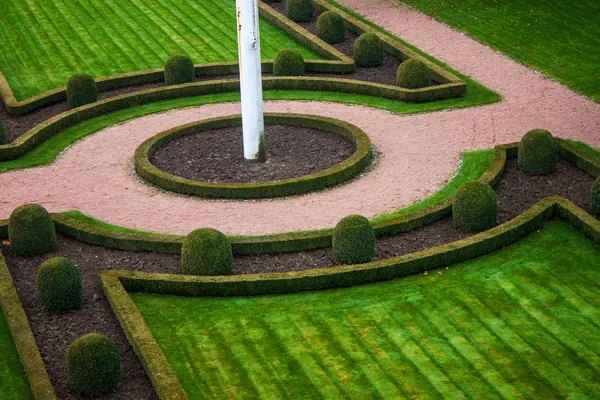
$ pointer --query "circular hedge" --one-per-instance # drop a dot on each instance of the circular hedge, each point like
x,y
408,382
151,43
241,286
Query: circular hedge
x,y
81,90
206,252
31,230
353,240
537,153
595,198
93,365
288,63
59,285
368,50
179,69
2,133
331,27
475,207
412,74
299,10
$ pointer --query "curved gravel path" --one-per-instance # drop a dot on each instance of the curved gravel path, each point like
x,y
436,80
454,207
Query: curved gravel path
x,y
419,152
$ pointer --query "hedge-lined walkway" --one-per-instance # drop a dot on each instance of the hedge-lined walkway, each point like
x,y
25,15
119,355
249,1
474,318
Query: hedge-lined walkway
x,y
420,152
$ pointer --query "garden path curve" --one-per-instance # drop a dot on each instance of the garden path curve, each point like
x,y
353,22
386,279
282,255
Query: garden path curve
x,y
419,152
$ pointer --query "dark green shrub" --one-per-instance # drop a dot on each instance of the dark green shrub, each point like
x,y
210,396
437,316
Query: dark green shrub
x,y
331,27
31,230
179,69
595,198
475,207
206,252
271,1
412,74
2,133
93,365
299,10
59,285
288,63
81,90
537,153
368,50
353,240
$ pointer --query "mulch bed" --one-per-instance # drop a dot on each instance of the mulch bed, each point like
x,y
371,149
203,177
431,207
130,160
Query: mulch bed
x,y
218,156
53,332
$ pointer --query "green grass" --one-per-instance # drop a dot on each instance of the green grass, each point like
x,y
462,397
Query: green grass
x,y
13,380
556,37
46,41
519,323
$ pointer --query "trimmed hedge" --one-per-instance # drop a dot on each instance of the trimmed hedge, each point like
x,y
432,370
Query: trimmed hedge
x,y
2,133
299,10
288,63
179,69
93,365
81,90
595,198
59,285
331,27
31,231
206,252
368,50
412,74
353,240
538,153
475,207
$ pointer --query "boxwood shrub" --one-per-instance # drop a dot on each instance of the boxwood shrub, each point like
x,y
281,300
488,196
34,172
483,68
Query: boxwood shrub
x,y
368,50
288,63
299,10
353,240
81,90
475,207
206,252
31,231
179,69
412,74
59,285
2,133
537,153
595,198
331,27
93,365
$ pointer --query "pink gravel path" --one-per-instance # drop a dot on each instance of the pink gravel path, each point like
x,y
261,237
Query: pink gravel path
x,y
420,152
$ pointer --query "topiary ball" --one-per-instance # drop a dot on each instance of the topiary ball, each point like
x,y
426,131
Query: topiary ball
x,y
537,153
2,133
299,10
81,90
331,27
179,69
353,240
412,74
595,198
93,365
288,63
59,285
368,50
206,252
31,230
475,207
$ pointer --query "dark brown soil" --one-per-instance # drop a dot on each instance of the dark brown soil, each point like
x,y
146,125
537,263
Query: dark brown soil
x,y
218,156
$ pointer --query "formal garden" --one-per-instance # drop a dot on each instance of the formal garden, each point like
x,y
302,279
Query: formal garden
x,y
402,202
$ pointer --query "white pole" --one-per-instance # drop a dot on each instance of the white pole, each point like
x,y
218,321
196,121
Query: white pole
x,y
250,80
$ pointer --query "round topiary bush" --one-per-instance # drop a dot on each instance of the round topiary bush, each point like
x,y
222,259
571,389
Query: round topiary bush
x,y
331,27
353,240
368,50
475,207
206,252
537,153
179,69
412,74
2,133
93,365
31,230
299,10
288,63
595,198
81,90
59,285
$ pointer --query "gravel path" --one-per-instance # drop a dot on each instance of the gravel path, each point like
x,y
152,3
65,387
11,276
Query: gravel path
x,y
419,152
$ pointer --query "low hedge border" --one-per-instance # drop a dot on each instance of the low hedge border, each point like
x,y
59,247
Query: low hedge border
x,y
26,346
117,284
339,173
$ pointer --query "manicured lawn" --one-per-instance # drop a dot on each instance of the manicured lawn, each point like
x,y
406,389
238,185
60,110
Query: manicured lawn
x,y
519,323
13,381
559,38
46,41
